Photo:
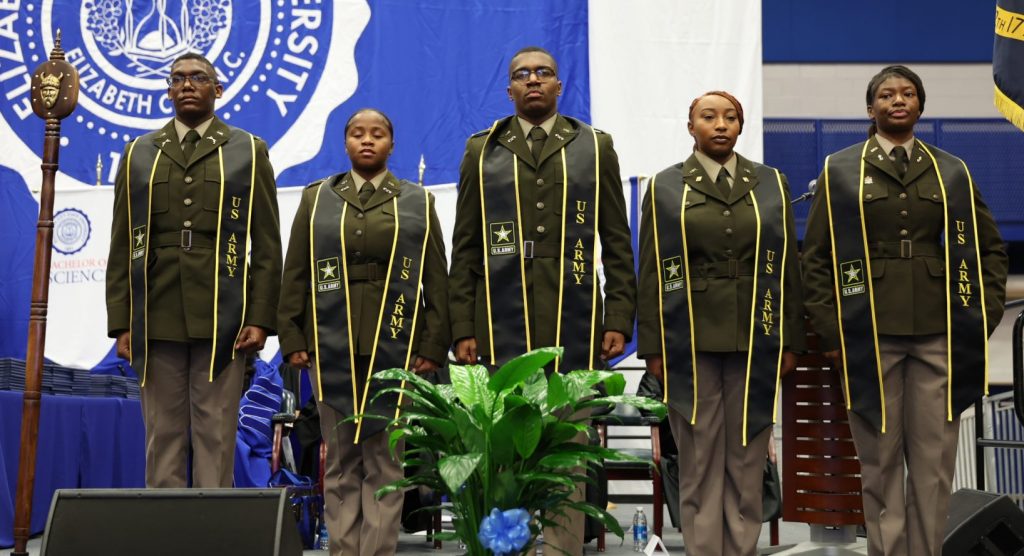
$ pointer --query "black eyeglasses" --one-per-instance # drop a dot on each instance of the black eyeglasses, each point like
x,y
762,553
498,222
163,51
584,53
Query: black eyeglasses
x,y
197,79
523,74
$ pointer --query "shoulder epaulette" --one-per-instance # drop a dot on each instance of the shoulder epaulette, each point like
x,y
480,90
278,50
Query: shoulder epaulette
x,y
601,131
317,182
481,133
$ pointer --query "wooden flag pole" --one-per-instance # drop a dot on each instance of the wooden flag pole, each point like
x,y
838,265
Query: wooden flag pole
x,y
54,96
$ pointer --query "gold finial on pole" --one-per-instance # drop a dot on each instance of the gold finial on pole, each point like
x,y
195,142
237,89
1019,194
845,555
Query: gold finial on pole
x,y
423,166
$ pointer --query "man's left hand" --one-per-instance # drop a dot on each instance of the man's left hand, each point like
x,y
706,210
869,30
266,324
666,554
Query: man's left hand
x,y
423,365
251,339
613,345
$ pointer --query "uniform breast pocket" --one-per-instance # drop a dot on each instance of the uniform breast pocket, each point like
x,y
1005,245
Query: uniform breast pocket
x,y
928,190
388,208
211,190
875,190
161,191
694,199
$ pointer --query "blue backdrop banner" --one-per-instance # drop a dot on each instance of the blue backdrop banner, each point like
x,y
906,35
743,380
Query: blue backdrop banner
x,y
292,73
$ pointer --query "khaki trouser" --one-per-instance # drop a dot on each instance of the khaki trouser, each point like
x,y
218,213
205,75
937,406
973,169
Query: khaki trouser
x,y
720,480
179,405
907,473
359,524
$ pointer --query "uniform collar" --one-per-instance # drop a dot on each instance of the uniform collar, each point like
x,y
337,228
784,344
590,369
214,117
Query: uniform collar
x,y
712,168
547,125
888,145
375,181
182,129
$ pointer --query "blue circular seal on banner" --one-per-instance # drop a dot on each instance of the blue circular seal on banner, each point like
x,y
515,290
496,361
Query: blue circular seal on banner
x,y
278,61
71,231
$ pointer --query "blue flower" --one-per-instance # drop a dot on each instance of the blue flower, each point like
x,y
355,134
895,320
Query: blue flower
x,y
505,532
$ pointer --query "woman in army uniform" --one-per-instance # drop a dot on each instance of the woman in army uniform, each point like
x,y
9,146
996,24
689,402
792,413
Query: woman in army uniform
x,y
720,316
905,274
364,289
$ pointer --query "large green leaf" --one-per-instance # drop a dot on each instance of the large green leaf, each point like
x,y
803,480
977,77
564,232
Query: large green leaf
x,y
456,469
535,389
470,384
655,407
526,434
615,385
557,396
472,437
519,369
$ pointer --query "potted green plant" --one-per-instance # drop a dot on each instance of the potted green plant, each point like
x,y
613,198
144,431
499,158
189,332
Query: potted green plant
x,y
502,446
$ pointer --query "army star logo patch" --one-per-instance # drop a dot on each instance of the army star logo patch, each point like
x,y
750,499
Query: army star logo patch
x,y
138,242
503,238
852,277
672,273
328,274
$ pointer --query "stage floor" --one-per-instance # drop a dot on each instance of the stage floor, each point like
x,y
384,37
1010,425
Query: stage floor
x,y
793,538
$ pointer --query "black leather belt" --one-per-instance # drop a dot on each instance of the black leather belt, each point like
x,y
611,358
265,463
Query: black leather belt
x,y
731,268
904,249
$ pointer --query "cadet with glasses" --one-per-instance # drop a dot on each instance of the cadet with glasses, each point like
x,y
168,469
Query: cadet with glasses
x,y
537,191
905,275
193,276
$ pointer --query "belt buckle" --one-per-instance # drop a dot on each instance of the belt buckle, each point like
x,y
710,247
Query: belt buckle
x,y
528,249
186,240
906,249
734,268
371,271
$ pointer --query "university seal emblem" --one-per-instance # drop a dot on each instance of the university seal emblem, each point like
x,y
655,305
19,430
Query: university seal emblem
x,y
269,55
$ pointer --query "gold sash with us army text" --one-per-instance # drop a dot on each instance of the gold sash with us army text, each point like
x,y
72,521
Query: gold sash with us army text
x,y
335,363
668,195
967,330
236,159
505,273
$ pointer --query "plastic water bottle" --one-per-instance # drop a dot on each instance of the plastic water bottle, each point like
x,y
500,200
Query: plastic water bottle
x,y
639,530
323,541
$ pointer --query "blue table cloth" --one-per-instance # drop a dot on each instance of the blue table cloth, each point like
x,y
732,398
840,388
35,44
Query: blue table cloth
x,y
83,443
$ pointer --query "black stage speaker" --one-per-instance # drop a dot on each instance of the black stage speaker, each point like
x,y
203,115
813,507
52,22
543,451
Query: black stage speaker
x,y
983,524
156,522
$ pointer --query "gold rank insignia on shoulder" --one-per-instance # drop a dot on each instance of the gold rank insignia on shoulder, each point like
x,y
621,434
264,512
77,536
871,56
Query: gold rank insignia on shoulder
x,y
559,137
692,170
221,133
746,179
868,180
510,139
874,149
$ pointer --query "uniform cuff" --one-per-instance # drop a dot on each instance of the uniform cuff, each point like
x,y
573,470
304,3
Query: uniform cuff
x,y
262,314
436,353
291,344
619,323
463,329
118,320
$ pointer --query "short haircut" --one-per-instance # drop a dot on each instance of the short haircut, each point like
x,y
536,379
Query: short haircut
x,y
196,56
387,120
736,104
895,71
527,49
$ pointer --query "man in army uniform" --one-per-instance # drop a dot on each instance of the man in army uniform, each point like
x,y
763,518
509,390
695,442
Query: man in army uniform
x,y
536,192
185,300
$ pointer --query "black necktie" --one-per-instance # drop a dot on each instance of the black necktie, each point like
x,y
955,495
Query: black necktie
x,y
189,146
901,160
722,182
537,135
365,192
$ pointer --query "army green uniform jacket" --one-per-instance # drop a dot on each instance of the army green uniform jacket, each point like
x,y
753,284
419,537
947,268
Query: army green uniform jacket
x,y
369,236
719,230
541,191
909,292
185,196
